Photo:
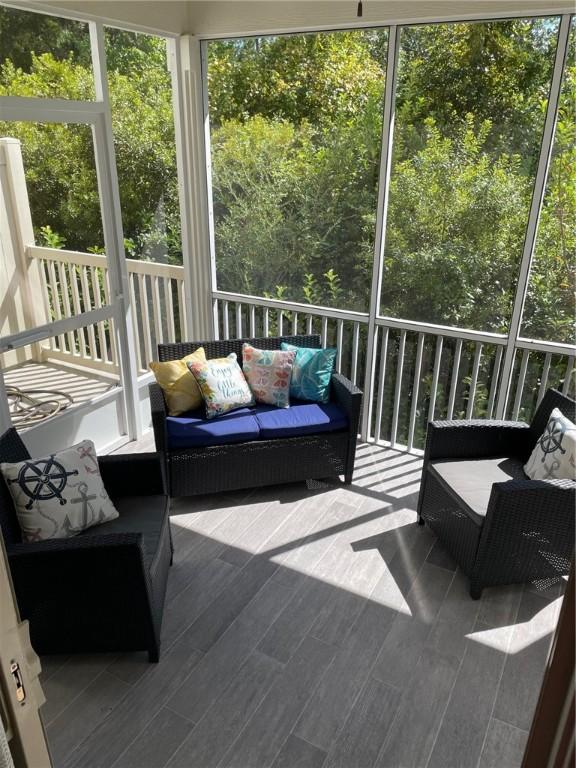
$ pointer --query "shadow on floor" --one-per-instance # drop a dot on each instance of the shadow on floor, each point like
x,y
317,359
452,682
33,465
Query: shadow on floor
x,y
317,626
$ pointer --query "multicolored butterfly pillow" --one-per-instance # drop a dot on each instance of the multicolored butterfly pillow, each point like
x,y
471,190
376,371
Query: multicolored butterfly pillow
x,y
268,372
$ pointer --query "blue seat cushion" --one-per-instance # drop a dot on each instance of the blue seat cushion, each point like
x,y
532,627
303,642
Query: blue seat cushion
x,y
299,419
193,429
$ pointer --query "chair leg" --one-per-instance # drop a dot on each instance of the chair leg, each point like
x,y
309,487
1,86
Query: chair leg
x,y
153,656
420,520
475,591
348,478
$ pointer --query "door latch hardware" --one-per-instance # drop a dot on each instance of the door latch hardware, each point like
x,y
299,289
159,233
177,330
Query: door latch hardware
x,y
18,682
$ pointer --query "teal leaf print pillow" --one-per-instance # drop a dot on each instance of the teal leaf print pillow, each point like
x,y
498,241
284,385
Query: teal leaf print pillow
x,y
311,373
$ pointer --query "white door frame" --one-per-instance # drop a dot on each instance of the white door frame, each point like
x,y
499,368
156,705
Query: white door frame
x,y
97,114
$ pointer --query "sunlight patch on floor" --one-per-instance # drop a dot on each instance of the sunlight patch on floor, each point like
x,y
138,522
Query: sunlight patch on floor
x,y
516,637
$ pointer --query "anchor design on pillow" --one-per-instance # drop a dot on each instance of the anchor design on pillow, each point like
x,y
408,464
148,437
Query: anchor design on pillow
x,y
86,452
84,499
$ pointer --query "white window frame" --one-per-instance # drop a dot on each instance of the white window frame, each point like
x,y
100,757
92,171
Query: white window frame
x,y
512,340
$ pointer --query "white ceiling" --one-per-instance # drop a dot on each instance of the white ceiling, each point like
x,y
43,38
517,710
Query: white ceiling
x,y
236,17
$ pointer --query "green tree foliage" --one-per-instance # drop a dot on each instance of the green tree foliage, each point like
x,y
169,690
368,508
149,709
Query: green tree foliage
x,y
297,125
295,170
443,260
498,71
300,78
24,35
549,311
59,159
296,132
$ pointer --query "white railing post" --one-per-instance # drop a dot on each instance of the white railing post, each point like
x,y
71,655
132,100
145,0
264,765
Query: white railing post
x,y
22,295
380,234
185,57
534,216
107,175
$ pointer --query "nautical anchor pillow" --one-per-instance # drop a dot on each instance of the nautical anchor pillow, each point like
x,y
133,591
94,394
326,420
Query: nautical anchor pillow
x,y
554,455
59,495
222,384
268,373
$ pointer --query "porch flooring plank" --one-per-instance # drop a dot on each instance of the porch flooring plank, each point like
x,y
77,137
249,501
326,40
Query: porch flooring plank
x,y
70,680
330,704
467,716
270,725
405,642
310,627
504,746
297,753
227,716
296,620
162,737
207,583
428,684
365,730
85,713
214,621
130,717
524,666
210,678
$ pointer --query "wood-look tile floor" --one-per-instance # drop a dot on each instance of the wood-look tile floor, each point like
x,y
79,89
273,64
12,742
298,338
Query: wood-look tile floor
x,y
308,627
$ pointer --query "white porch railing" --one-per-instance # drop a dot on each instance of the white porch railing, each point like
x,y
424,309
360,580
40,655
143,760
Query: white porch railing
x,y
78,282
421,371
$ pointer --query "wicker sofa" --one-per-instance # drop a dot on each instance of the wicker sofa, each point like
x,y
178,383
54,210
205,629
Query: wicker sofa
x,y
498,525
103,589
257,460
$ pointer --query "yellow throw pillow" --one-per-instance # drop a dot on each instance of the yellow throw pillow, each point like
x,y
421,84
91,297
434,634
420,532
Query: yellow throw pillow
x,y
180,388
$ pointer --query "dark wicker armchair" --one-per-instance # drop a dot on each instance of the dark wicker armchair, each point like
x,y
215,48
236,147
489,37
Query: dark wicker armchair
x,y
499,526
104,589
214,468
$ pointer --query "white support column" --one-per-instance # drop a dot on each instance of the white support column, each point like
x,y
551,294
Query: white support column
x,y
22,296
190,117
113,235
381,215
535,208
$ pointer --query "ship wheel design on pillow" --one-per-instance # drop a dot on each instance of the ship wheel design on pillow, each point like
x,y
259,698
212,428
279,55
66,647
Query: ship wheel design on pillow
x,y
551,440
42,480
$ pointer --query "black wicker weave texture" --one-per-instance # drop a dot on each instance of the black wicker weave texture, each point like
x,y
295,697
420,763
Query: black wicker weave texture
x,y
226,347
528,531
100,590
262,462
12,449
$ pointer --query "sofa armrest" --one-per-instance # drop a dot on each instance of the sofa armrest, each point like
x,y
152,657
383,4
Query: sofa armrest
x,y
159,414
75,546
133,474
90,579
41,566
528,514
349,397
475,439
549,499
